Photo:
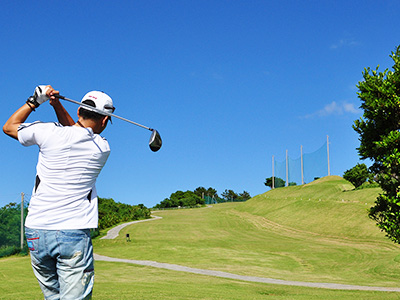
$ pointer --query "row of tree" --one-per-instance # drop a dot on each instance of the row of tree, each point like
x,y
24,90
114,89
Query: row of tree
x,y
227,195
181,199
10,229
197,198
112,213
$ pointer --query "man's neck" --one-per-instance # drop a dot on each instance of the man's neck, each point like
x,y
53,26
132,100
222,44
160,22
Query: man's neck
x,y
96,126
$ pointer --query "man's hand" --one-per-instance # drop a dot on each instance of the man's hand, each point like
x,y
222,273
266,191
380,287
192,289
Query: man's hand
x,y
42,94
50,92
62,115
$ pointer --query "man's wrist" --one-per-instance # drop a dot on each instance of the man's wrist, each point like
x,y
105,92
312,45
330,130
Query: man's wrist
x,y
55,102
33,102
30,104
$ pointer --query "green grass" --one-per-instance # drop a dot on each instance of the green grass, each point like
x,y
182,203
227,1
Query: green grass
x,y
318,232
125,282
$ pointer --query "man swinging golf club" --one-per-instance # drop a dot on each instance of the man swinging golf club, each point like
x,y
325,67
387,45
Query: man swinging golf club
x,y
63,206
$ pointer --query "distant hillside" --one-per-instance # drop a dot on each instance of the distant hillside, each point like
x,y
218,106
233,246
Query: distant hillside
x,y
328,206
319,232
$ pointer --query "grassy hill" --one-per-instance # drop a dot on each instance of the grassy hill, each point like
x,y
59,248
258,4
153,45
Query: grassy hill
x,y
317,232
329,206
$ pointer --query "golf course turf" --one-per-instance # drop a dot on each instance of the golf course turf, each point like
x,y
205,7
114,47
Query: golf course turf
x,y
315,233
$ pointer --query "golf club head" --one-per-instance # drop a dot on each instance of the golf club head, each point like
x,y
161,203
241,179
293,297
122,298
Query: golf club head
x,y
155,141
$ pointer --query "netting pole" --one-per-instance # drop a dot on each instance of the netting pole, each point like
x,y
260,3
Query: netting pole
x,y
327,149
302,169
273,172
22,220
287,169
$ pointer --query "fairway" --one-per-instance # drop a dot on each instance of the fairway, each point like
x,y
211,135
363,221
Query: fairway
x,y
126,282
316,233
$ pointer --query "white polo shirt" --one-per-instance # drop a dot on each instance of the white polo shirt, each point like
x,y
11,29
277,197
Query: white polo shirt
x,y
70,159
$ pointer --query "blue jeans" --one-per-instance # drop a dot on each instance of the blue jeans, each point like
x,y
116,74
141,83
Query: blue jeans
x,y
62,261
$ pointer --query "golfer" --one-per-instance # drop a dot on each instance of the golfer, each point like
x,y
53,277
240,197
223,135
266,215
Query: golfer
x,y
63,206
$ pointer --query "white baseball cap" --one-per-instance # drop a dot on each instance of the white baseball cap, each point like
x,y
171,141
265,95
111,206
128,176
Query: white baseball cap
x,y
101,101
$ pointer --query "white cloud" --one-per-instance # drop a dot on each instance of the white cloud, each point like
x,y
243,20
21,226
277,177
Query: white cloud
x,y
334,108
349,107
344,43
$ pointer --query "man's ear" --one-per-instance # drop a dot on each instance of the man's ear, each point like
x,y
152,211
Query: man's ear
x,y
104,121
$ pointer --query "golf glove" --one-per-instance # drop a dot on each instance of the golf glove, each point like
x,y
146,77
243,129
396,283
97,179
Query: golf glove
x,y
39,96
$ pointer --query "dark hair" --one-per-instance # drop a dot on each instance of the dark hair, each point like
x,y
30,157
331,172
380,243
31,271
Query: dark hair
x,y
88,114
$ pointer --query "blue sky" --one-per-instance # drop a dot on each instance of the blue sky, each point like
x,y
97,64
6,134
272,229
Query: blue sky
x,y
227,84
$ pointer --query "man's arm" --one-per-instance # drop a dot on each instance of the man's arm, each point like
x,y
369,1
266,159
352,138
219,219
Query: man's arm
x,y
11,126
62,115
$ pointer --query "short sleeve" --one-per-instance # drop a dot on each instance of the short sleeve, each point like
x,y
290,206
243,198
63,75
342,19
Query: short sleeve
x,y
34,133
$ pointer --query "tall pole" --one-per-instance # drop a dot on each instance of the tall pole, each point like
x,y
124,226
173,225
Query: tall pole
x,y
327,149
22,220
302,170
287,169
273,172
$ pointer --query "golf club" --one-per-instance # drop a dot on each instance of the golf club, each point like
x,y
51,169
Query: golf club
x,y
155,141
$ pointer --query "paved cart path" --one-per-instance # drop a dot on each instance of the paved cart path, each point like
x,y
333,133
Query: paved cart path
x,y
113,233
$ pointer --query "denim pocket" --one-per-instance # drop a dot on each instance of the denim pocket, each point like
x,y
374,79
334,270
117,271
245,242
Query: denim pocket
x,y
32,239
73,244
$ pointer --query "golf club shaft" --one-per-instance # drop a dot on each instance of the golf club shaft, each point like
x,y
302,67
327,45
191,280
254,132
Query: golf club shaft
x,y
102,112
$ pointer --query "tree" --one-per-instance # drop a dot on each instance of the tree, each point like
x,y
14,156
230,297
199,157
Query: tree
x,y
229,195
112,213
378,128
10,224
201,191
358,174
244,196
182,199
211,192
278,182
